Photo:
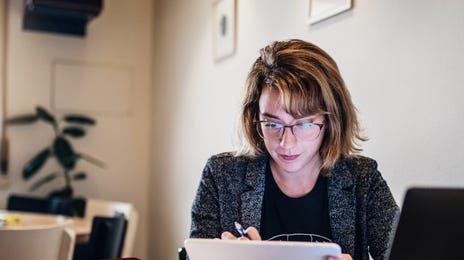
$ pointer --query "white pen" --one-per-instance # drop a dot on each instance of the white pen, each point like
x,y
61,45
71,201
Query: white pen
x,y
240,229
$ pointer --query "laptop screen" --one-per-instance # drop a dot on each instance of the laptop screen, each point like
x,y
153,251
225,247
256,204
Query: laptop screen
x,y
431,225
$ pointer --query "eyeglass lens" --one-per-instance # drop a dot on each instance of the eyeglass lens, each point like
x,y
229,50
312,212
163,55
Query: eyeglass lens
x,y
305,131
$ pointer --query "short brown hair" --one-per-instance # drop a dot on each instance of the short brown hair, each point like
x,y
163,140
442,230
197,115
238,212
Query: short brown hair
x,y
309,83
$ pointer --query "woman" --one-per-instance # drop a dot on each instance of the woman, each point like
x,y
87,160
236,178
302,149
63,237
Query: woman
x,y
299,171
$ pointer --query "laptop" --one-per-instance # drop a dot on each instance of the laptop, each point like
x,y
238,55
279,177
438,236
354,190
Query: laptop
x,y
214,249
431,225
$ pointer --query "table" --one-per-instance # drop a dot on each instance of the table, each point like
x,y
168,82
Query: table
x,y
18,219
82,229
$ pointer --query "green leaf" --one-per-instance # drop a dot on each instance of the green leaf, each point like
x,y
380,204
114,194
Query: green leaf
x,y
79,176
43,181
64,153
35,163
80,119
22,119
45,115
74,131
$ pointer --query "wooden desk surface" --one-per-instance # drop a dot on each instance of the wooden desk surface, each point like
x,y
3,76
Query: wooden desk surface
x,y
81,226
82,229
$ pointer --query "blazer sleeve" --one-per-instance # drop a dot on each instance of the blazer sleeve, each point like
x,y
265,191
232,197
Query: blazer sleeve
x,y
382,212
205,209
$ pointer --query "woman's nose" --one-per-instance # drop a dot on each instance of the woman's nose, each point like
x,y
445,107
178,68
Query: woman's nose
x,y
288,138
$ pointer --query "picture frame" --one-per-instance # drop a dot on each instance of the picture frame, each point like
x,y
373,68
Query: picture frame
x,y
224,23
320,10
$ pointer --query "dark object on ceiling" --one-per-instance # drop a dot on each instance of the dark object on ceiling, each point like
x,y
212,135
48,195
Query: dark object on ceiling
x,y
60,16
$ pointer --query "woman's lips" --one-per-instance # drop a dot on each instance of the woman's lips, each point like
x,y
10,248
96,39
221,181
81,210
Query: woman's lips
x,y
289,157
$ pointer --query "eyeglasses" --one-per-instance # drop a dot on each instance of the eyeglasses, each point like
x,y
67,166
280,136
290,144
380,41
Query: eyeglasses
x,y
303,131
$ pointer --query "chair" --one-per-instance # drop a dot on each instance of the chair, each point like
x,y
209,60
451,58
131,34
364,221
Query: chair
x,y
40,205
106,239
42,242
96,207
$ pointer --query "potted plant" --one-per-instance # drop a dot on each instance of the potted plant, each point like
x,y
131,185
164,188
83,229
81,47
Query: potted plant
x,y
61,148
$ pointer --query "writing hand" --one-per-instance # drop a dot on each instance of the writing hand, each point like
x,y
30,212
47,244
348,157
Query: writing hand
x,y
252,234
344,257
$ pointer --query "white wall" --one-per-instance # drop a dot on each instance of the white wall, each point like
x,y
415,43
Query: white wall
x,y
402,61
121,37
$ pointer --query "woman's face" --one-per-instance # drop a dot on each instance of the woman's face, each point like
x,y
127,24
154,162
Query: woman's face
x,y
289,153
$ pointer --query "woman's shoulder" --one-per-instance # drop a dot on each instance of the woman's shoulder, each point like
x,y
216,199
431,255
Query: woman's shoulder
x,y
223,156
356,166
357,170
227,158
228,164
360,162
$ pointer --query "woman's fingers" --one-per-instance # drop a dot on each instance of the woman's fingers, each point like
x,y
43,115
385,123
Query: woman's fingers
x,y
227,236
344,257
253,233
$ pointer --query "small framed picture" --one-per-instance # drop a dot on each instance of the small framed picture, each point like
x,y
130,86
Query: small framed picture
x,y
320,10
223,28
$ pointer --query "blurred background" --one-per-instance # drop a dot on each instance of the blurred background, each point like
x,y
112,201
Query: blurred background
x,y
146,70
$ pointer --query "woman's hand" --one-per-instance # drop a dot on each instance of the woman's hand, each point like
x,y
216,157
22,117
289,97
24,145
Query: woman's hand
x,y
251,232
343,257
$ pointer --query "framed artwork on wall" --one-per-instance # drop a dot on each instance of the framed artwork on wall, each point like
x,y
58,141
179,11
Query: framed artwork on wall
x,y
320,10
223,28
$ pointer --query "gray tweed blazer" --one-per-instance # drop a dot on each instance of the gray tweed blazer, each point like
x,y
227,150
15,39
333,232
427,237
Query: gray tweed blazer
x,y
362,209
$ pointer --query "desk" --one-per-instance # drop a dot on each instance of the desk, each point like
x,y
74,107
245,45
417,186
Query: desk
x,y
82,227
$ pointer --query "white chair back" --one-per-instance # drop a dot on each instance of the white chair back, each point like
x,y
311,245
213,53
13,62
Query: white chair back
x,y
105,208
40,238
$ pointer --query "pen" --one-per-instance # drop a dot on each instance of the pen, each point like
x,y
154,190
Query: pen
x,y
240,229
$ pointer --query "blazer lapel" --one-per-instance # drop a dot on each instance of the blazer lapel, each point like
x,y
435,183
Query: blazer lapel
x,y
252,197
342,207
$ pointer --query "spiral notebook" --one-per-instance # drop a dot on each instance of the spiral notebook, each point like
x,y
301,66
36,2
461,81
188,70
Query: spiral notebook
x,y
214,249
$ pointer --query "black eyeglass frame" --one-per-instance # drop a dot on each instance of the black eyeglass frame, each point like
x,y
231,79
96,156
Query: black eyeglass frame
x,y
261,134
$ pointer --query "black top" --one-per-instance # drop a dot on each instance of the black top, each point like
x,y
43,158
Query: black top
x,y
305,218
